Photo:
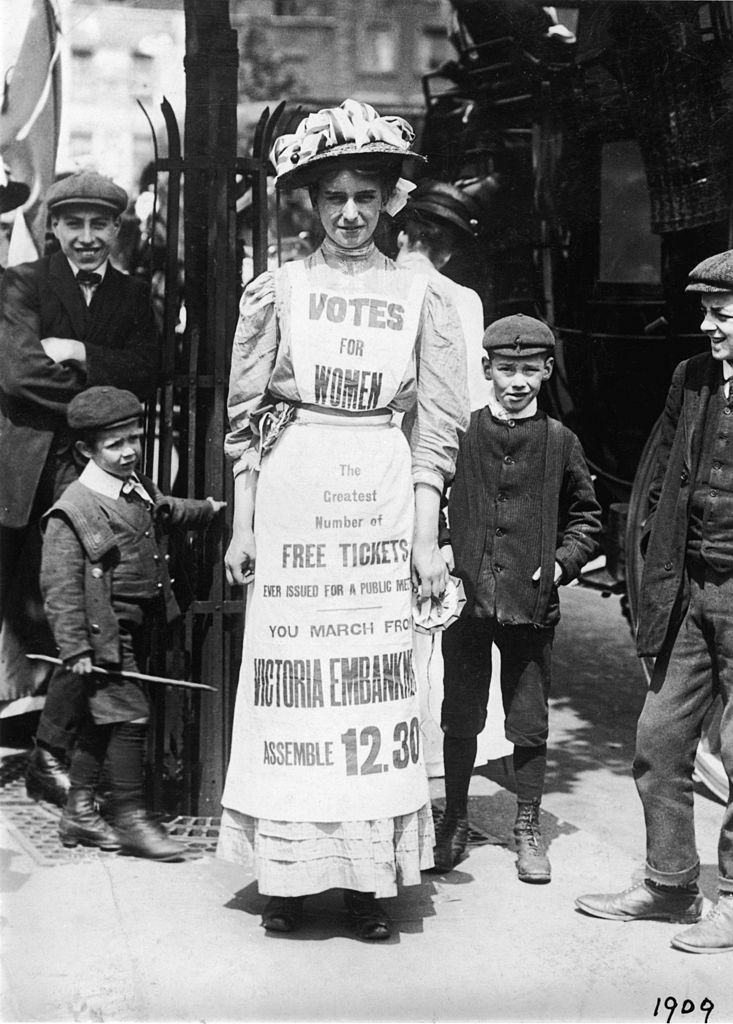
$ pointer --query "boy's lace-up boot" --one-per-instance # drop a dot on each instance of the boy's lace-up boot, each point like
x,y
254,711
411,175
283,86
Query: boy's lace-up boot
x,y
533,864
451,840
141,836
46,777
139,833
81,824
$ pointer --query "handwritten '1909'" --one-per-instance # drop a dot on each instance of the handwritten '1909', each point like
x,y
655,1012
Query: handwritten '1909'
x,y
687,1006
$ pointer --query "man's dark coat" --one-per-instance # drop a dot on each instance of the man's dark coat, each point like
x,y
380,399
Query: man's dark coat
x,y
664,536
42,300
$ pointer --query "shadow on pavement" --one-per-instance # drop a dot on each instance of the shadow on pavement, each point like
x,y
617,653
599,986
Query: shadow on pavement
x,y
10,879
598,689
324,915
495,814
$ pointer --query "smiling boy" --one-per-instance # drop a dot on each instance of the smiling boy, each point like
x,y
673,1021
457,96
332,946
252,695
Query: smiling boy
x,y
523,518
685,624
68,321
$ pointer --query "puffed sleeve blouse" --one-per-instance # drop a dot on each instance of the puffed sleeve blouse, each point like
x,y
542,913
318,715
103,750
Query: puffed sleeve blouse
x,y
433,390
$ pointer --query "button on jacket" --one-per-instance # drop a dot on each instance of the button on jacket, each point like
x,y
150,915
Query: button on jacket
x,y
687,435
560,524
99,557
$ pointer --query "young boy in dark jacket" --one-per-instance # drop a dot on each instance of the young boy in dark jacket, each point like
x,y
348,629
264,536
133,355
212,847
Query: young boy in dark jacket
x,y
104,579
523,519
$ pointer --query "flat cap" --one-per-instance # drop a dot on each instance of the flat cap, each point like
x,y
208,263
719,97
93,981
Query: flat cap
x,y
440,201
100,407
715,274
519,335
86,187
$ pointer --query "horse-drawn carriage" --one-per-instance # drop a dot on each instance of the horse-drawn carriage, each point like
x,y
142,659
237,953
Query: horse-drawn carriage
x,y
597,136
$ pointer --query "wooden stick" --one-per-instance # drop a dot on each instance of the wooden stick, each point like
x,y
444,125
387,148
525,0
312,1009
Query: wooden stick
x,y
130,675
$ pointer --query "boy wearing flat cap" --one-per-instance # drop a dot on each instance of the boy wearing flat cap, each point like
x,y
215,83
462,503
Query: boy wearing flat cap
x,y
68,321
685,624
523,519
104,580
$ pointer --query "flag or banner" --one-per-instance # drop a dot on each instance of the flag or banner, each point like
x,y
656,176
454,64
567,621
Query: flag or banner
x,y
30,110
22,247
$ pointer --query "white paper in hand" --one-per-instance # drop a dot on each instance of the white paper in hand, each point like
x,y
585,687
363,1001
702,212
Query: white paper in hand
x,y
430,614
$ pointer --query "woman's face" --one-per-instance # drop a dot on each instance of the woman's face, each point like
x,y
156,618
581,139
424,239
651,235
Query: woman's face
x,y
349,205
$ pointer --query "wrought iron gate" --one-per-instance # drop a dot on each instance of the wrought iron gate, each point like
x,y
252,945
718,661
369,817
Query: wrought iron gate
x,y
190,734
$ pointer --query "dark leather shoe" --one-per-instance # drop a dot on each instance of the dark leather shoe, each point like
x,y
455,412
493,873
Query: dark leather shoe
x,y
89,831
371,921
46,778
450,843
282,913
641,902
142,837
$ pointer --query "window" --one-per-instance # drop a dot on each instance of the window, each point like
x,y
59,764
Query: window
x,y
142,150
82,76
432,48
630,253
141,74
80,147
379,53
303,8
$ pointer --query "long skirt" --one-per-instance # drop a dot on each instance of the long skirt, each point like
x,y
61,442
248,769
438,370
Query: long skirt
x,y
326,728
297,858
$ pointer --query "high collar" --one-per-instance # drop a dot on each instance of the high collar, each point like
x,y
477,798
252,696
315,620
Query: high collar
x,y
347,260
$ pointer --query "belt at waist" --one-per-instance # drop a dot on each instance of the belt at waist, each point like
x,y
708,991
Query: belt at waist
x,y
305,412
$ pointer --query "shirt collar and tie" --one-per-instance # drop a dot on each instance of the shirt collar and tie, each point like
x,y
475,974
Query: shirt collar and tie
x,y
89,280
109,486
727,375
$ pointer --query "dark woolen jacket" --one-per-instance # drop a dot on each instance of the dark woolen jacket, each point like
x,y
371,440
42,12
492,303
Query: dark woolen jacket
x,y
42,300
568,516
662,598
80,556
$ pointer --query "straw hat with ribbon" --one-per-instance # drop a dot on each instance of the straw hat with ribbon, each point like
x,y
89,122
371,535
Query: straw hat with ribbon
x,y
351,130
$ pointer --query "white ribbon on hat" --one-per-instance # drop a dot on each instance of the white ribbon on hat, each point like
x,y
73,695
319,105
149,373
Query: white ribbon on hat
x,y
401,193
351,122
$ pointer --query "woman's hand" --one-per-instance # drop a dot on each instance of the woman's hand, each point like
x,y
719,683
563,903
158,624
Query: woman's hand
x,y
429,571
240,558
239,561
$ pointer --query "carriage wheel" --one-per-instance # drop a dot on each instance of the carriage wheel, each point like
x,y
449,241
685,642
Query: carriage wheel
x,y
708,764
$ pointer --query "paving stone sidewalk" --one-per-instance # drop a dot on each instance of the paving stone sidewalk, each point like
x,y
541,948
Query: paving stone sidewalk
x,y
101,937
